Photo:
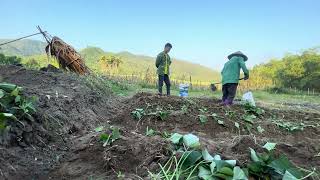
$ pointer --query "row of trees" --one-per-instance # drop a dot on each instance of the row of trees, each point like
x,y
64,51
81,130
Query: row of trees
x,y
300,71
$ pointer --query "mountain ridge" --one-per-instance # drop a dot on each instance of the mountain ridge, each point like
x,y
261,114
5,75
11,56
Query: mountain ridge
x,y
132,63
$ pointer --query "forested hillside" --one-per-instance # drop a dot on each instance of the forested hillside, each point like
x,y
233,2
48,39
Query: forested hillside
x,y
32,54
301,71
25,47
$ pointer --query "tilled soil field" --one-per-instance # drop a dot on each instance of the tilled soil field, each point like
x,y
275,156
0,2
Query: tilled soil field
x,y
63,142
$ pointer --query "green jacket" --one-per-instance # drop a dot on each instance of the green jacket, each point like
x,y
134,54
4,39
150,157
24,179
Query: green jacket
x,y
231,70
163,63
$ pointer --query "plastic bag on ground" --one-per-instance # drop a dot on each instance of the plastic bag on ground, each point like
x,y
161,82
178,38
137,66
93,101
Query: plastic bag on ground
x,y
248,97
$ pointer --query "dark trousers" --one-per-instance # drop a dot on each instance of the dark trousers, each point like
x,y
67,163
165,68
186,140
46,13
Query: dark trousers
x,y
229,91
166,80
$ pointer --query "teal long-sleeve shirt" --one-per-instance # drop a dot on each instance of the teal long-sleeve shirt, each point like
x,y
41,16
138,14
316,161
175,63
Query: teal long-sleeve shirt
x,y
231,70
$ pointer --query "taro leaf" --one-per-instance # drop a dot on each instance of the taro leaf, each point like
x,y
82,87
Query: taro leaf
x,y
8,87
221,164
206,156
281,164
260,129
98,129
220,122
204,174
17,99
203,118
175,138
237,125
289,176
191,141
214,115
190,158
259,111
270,146
3,118
256,167
231,162
1,93
265,157
212,167
104,137
15,92
115,133
254,156
217,157
249,118
222,176
163,115
238,174
226,171
150,132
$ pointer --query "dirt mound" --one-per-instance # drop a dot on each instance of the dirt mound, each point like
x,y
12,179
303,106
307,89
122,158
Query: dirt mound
x,y
133,155
66,106
300,146
65,145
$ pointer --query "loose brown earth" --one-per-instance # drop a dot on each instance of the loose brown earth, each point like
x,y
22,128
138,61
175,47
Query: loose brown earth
x,y
62,143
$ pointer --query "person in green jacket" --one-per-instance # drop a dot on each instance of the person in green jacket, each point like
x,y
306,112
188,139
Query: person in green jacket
x,y
231,74
163,63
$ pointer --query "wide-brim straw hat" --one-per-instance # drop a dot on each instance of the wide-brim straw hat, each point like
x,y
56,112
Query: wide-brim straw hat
x,y
238,53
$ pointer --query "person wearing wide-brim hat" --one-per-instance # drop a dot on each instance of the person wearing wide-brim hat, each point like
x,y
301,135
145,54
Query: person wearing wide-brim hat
x,y
231,74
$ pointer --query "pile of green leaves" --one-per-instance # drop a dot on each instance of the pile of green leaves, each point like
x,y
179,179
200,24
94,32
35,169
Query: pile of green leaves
x,y
109,136
190,162
14,106
267,166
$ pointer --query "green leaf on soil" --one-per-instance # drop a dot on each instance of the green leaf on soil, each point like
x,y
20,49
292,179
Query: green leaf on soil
x,y
226,171
212,167
217,157
206,156
191,157
254,156
17,99
204,174
214,115
115,133
238,174
104,137
98,129
289,176
270,146
203,118
1,93
15,92
175,138
191,141
231,162
220,122
237,125
260,129
150,132
282,164
249,118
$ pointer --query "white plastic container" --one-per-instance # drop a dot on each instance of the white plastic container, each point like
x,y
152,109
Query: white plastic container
x,y
183,90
